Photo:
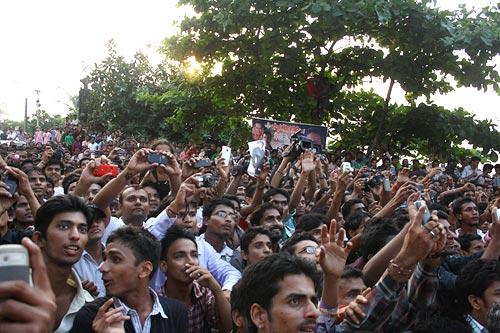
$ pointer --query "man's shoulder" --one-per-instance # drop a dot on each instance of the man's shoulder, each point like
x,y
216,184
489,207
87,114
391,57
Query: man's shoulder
x,y
86,314
172,306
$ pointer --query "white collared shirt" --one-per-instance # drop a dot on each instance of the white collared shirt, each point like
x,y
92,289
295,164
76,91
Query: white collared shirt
x,y
226,254
134,316
88,269
78,301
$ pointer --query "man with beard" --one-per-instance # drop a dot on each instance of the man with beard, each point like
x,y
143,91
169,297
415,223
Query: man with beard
x,y
478,288
61,232
270,217
467,214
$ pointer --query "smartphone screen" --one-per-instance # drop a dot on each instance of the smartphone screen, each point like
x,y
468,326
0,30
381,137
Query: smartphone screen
x,y
11,182
14,264
226,154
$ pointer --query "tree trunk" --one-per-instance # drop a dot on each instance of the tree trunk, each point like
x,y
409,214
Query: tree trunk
x,y
385,111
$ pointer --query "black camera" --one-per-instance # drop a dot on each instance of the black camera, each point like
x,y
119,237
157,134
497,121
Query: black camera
x,y
301,143
206,180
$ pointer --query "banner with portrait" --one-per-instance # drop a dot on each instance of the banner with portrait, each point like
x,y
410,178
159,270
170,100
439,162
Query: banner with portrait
x,y
278,133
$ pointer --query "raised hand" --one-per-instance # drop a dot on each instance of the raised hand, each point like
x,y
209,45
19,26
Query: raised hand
x,y
139,162
354,311
203,277
31,308
333,253
24,187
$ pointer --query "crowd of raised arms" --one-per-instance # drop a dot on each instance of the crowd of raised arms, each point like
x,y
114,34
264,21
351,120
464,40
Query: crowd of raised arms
x,y
129,236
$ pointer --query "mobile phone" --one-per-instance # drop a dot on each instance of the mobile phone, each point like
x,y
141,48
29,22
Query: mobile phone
x,y
226,154
157,158
204,163
346,167
387,185
427,214
11,182
14,264
104,169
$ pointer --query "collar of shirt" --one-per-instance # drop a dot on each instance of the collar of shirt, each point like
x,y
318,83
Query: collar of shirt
x,y
475,325
157,308
226,251
79,300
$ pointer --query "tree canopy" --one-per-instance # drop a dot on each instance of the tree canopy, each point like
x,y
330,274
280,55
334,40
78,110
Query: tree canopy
x,y
307,61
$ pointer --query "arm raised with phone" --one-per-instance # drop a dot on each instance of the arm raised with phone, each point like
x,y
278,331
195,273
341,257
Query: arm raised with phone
x,y
29,309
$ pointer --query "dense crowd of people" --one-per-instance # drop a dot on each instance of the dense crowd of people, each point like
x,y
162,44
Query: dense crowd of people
x,y
129,236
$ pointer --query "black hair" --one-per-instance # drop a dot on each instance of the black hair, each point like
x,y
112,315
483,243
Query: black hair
x,y
232,198
346,207
50,181
56,205
432,320
289,245
250,234
209,207
375,236
352,273
259,213
493,318
55,161
134,188
35,169
457,204
474,279
273,191
261,282
144,245
442,215
83,159
466,239
174,233
23,163
158,142
310,221
68,180
354,221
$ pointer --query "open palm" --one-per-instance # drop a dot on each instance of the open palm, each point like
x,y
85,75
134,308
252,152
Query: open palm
x,y
333,253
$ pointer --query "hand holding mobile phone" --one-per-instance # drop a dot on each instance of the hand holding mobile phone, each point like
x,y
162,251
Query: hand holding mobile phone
x,y
157,158
14,263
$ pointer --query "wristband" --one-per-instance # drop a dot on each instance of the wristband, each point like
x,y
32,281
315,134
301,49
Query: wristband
x,y
399,273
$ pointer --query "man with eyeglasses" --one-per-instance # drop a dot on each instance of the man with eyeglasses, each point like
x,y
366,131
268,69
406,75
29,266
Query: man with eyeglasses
x,y
220,220
305,245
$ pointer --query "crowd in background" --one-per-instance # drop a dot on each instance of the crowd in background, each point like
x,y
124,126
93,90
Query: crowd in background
x,y
165,237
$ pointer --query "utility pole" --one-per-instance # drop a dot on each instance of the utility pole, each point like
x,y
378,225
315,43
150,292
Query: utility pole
x,y
37,107
25,114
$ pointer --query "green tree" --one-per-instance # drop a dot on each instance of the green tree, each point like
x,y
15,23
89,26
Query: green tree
x,y
272,50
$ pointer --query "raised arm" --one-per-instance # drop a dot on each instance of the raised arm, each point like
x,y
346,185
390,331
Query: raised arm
x,y
307,167
137,164
24,188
